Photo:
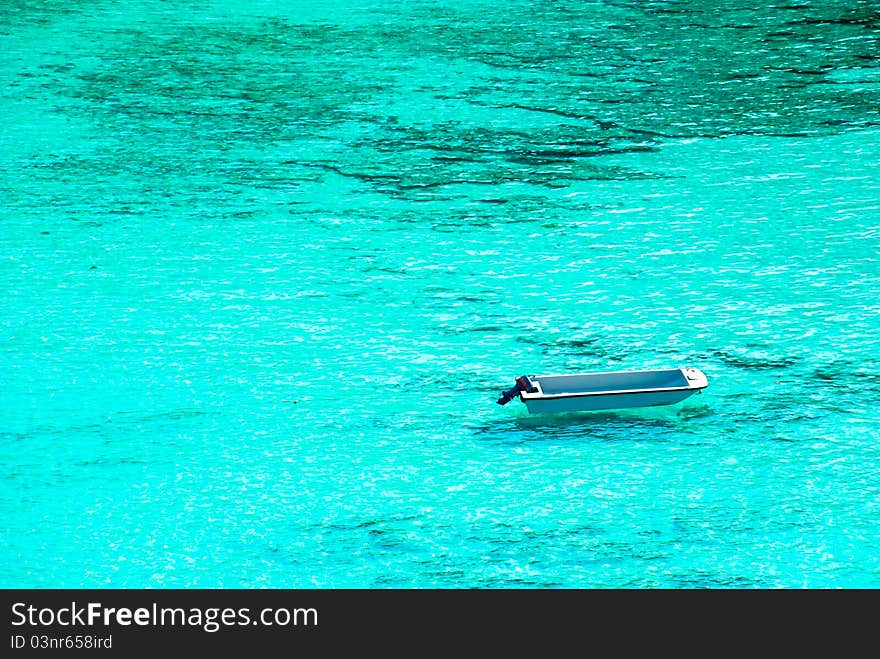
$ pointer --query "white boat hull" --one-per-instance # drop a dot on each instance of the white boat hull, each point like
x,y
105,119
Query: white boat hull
x,y
605,402
584,392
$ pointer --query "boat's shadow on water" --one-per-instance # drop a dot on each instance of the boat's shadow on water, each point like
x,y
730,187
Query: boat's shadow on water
x,y
607,426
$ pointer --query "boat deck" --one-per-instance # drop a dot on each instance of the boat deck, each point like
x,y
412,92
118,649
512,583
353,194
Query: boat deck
x,y
622,381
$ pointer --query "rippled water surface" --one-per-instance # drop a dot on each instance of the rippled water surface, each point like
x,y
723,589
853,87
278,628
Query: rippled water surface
x,y
265,267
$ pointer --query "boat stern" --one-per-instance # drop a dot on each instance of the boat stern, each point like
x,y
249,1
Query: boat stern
x,y
523,387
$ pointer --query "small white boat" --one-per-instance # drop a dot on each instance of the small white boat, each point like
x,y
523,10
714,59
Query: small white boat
x,y
579,392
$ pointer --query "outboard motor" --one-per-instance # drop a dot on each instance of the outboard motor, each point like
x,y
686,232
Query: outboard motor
x,y
522,384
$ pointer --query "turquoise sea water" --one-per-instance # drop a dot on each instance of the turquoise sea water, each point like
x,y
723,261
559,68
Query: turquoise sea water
x,y
266,266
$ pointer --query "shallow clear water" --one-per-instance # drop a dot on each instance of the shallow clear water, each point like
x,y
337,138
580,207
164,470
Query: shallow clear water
x,y
267,265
